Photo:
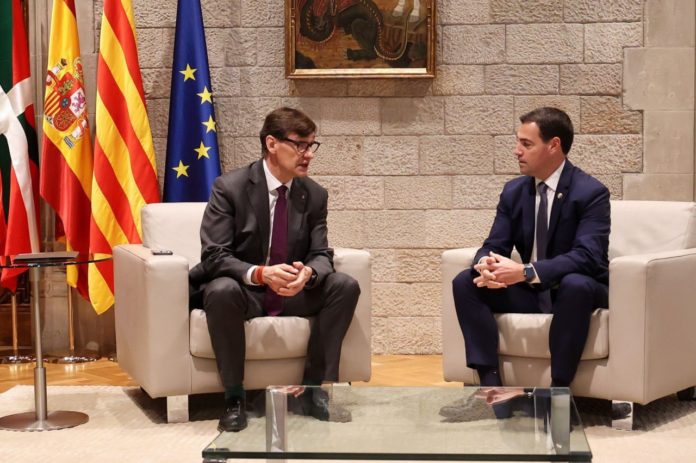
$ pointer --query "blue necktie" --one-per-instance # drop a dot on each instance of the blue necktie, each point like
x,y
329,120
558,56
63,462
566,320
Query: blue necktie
x,y
542,237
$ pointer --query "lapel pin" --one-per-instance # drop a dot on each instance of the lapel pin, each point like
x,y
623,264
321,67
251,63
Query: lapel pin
x,y
559,196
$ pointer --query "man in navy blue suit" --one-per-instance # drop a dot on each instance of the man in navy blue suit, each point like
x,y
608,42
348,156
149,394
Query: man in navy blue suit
x,y
557,218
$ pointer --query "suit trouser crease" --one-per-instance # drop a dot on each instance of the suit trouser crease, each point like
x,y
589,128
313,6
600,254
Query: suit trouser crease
x,y
228,304
573,303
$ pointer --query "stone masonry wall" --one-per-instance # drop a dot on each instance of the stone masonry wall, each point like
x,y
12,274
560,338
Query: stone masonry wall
x,y
414,167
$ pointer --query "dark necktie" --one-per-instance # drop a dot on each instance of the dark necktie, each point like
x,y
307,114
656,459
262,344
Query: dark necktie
x,y
542,232
273,303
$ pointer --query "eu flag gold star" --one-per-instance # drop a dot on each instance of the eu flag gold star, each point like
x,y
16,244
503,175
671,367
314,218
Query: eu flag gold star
x,y
181,170
202,151
205,96
209,124
188,73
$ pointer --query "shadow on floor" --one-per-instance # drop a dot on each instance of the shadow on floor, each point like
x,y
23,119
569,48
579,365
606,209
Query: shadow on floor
x,y
202,407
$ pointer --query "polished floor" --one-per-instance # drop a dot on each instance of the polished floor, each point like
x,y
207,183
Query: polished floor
x,y
387,370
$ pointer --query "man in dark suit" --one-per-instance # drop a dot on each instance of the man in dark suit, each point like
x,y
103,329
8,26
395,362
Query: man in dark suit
x,y
557,217
265,253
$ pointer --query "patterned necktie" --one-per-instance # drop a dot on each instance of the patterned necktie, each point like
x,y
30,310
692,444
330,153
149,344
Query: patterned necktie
x,y
542,232
273,303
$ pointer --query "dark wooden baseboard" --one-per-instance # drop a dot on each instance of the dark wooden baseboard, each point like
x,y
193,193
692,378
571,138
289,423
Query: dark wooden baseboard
x,y
23,325
23,313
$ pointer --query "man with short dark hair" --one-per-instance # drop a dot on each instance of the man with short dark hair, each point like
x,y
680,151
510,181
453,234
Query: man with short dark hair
x,y
265,253
557,217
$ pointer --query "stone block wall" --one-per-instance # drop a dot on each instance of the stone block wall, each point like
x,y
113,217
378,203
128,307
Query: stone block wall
x,y
414,167
659,80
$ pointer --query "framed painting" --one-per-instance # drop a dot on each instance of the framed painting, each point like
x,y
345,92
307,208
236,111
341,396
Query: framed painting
x,y
359,38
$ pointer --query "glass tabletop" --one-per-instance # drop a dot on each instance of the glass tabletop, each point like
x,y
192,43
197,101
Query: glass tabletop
x,y
411,423
51,259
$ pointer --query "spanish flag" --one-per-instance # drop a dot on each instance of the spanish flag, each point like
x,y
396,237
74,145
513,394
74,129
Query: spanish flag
x,y
19,212
66,155
125,174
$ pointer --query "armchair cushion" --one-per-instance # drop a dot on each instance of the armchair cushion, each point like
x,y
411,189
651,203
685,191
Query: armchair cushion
x,y
174,226
266,337
642,227
527,335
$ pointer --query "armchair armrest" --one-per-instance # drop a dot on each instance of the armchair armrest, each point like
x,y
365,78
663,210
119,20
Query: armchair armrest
x,y
652,324
454,368
152,319
356,362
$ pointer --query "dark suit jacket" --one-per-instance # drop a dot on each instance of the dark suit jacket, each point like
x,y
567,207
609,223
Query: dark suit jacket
x,y
578,227
236,226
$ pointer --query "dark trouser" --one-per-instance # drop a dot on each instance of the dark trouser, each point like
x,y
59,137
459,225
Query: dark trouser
x,y
573,302
227,304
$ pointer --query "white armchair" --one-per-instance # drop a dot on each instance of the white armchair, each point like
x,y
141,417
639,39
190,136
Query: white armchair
x,y
166,348
639,350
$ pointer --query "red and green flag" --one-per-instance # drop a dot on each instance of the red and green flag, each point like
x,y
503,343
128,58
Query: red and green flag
x,y
19,167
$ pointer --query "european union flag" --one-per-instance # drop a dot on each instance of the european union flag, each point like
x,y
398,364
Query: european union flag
x,y
193,159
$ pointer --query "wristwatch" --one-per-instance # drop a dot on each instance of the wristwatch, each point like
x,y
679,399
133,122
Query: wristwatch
x,y
528,273
312,279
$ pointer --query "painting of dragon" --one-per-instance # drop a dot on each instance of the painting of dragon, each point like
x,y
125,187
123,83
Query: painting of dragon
x,y
361,34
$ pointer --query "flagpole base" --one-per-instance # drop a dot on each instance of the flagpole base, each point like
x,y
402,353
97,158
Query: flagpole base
x,y
17,356
73,357
54,421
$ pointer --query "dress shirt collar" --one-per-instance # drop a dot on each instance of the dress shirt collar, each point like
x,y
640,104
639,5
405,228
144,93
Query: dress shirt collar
x,y
272,182
554,178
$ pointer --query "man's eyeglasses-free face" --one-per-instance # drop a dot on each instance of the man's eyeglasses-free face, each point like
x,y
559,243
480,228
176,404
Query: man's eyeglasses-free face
x,y
303,146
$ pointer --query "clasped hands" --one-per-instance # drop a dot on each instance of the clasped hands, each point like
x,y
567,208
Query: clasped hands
x,y
287,280
496,271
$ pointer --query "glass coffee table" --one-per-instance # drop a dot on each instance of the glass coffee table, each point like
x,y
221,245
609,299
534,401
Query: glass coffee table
x,y
412,424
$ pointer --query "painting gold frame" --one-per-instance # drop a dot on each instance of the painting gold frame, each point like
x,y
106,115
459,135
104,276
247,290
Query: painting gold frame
x,y
360,39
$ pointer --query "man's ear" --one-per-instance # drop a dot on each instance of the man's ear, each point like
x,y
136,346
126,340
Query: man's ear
x,y
271,143
555,144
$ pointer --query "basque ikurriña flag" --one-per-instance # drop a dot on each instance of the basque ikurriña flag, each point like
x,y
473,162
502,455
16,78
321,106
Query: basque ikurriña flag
x,y
19,188
193,160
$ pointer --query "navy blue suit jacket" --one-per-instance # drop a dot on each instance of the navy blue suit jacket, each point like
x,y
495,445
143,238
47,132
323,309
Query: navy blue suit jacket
x,y
578,227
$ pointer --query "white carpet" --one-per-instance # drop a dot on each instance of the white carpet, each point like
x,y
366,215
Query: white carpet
x,y
665,432
125,425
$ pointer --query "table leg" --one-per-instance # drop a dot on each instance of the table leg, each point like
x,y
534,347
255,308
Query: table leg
x,y
40,419
276,414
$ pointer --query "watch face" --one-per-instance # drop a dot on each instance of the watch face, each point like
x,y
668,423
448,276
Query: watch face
x,y
528,272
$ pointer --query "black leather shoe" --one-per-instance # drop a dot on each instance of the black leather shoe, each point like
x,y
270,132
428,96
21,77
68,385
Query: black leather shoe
x,y
315,402
234,419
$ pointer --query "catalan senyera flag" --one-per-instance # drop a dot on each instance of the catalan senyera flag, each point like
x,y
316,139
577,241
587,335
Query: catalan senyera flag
x,y
18,147
125,174
66,155
193,160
